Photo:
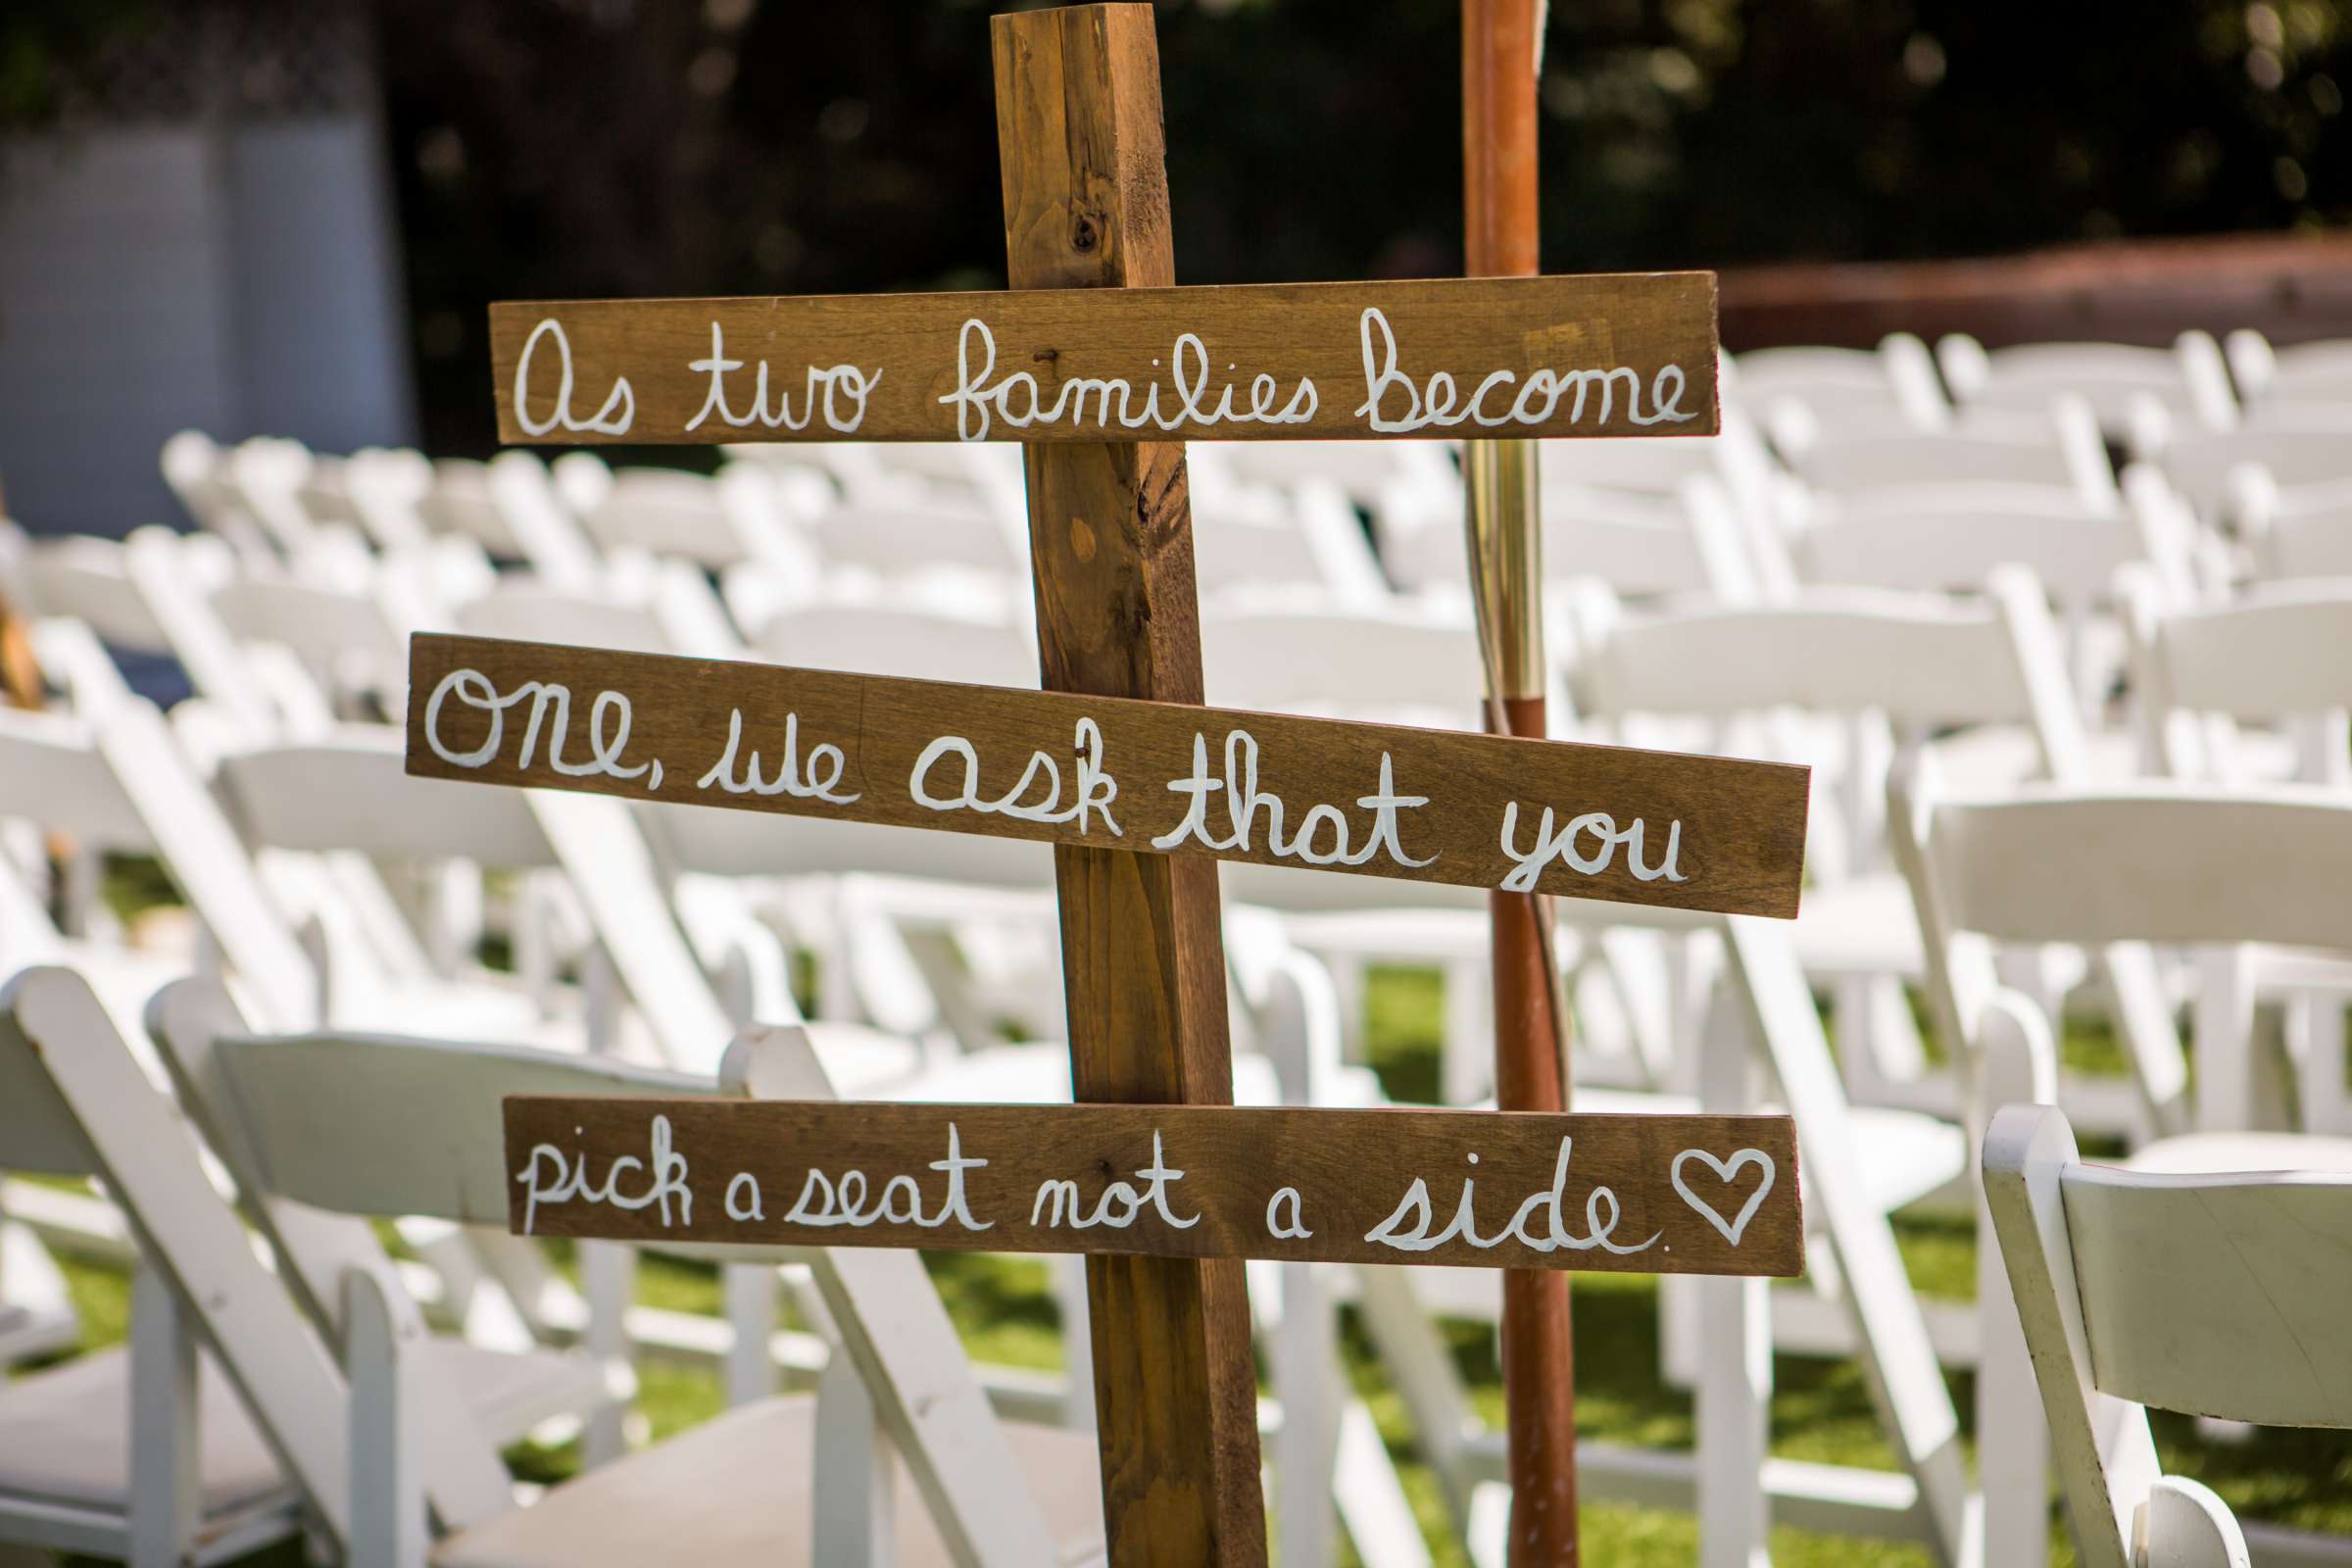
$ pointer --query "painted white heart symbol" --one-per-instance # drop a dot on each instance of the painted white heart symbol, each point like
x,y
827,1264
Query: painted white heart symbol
x,y
1724,1170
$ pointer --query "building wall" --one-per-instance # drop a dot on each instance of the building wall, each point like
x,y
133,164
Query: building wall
x,y
192,264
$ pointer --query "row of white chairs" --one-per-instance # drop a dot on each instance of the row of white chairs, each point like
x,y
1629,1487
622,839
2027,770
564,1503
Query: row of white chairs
x,y
2255,867
1400,667
306,793
1610,963
2214,384
1918,508
1784,692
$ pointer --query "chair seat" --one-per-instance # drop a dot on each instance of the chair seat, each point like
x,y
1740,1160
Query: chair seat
x,y
1863,926
26,1332
2300,969
1903,1154
510,1392
2206,1153
65,1438
64,1435
1994,759
736,1490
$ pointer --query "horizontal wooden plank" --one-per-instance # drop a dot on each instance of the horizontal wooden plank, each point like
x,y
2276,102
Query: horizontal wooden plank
x,y
1651,1195
1433,806
1602,354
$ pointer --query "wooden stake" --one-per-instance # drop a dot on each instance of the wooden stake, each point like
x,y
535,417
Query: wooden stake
x,y
1086,206
1500,40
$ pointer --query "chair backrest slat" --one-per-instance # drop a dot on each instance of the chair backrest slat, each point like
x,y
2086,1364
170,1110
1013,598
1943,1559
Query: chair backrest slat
x,y
696,838
52,773
2281,652
373,1125
1343,663
350,791
281,1369
1837,652
37,1130
2220,1295
910,643
2173,865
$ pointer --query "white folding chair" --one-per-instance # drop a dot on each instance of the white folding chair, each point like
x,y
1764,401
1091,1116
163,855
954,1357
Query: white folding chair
x,y
1850,681
1689,542
2217,1294
510,507
266,474
1393,664
195,467
1361,469
2297,445
2174,864
1951,537
2302,532
346,791
1941,538
2189,379
1764,1044
1307,540
916,537
2058,449
2271,658
344,622
2190,865
145,1454
2305,372
118,782
899,637
648,606
713,521
374,1444
1843,389
84,579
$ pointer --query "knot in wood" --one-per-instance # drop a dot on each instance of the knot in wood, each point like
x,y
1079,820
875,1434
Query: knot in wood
x,y
1084,234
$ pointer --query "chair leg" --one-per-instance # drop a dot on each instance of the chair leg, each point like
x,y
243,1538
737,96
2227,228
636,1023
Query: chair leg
x,y
166,1500
1077,1341
1734,1411
2013,1441
1733,1352
857,1478
1467,1059
1305,1452
388,1488
1416,1359
2316,1023
607,1278
750,1299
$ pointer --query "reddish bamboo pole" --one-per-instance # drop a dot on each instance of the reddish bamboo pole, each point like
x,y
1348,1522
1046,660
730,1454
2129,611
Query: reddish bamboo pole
x,y
1500,44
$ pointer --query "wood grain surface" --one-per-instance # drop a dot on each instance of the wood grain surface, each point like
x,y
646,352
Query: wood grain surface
x,y
1143,954
1667,1193
1596,355
853,746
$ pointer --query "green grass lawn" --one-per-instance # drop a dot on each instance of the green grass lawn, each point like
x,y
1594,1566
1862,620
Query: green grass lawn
x,y
1821,1411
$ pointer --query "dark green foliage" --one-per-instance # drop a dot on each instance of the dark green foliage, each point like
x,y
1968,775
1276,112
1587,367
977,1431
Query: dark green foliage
x,y
557,150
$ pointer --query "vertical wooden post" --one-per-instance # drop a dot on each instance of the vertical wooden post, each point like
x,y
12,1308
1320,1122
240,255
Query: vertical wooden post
x,y
1086,206
1500,40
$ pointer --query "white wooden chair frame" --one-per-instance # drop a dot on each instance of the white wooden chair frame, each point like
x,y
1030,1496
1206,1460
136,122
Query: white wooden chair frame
x,y
2214,1294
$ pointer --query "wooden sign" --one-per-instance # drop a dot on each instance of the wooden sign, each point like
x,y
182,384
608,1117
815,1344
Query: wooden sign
x,y
1433,806
1686,1195
1604,355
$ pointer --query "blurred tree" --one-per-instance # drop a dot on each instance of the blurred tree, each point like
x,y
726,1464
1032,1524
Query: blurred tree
x,y
582,147
47,46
